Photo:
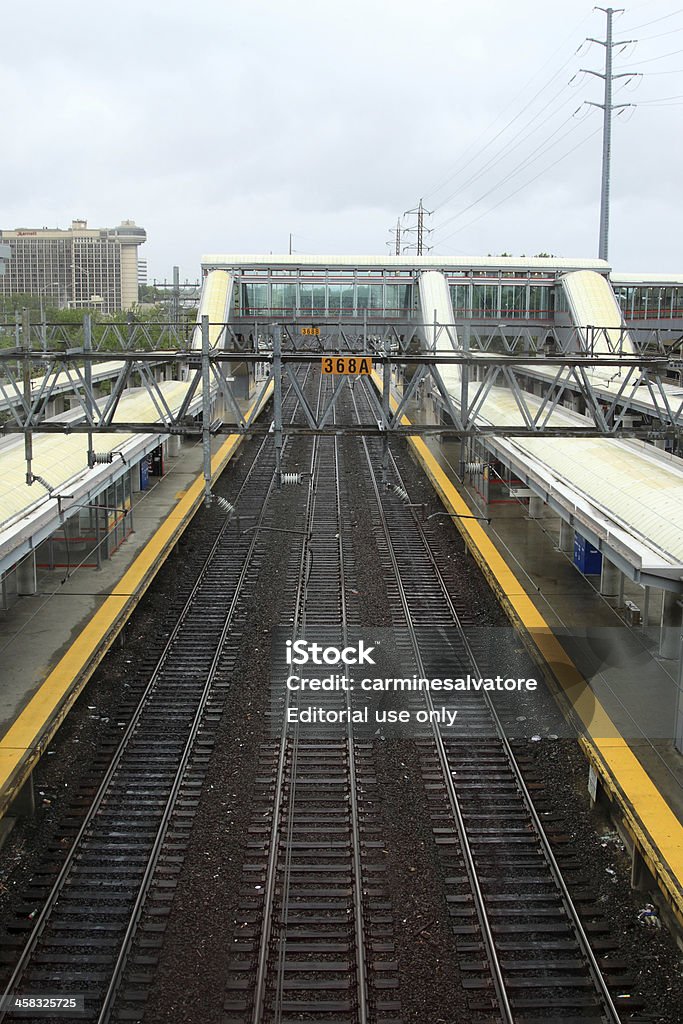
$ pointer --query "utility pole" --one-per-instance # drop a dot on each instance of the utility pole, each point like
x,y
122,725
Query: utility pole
x,y
396,232
607,107
419,212
175,296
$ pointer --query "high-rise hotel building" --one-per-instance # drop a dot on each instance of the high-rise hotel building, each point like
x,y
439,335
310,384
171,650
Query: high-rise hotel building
x,y
78,267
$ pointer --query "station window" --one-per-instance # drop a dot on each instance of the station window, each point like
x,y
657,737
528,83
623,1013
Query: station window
x,y
460,299
484,300
666,302
370,296
640,303
513,301
539,302
621,295
398,298
283,297
340,298
254,297
312,297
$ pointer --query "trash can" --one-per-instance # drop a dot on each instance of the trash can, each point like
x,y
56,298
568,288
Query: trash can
x,y
632,613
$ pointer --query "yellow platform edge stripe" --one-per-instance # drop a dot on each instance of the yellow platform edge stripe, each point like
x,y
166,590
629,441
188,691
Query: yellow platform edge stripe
x,y
32,731
655,829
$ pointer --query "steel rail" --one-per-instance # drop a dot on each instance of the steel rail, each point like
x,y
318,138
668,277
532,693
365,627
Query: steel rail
x,y
116,761
470,864
568,903
359,923
556,873
263,956
150,868
319,466
297,628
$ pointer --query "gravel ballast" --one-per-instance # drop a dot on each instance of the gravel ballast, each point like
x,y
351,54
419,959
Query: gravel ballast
x,y
190,980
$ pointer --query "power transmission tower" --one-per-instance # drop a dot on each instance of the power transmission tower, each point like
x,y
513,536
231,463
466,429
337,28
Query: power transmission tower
x,y
396,232
607,107
419,212
175,296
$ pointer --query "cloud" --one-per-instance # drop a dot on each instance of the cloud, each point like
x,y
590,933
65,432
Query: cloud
x,y
225,126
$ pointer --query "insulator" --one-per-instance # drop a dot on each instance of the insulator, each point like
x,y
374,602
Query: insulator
x,y
290,479
474,467
223,503
39,479
401,493
100,458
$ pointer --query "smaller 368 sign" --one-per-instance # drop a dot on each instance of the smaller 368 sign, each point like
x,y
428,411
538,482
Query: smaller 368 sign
x,y
346,364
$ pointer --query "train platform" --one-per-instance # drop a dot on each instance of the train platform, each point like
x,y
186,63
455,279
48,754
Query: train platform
x,y
623,706
51,642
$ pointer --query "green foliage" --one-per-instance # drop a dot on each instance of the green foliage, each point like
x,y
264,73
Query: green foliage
x,y
151,293
10,305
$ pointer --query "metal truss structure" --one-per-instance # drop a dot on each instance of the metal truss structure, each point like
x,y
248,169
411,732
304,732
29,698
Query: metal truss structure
x,y
409,355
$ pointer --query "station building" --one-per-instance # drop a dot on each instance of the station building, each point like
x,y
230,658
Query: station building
x,y
482,288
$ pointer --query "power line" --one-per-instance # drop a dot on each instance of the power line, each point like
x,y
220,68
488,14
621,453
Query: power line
x,y
459,168
508,147
505,127
658,35
661,99
648,60
520,167
521,187
654,21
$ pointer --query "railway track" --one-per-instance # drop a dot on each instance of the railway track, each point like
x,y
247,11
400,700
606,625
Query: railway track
x,y
523,942
315,938
318,943
128,848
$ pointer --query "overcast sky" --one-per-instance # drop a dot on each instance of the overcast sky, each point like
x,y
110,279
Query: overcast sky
x,y
222,126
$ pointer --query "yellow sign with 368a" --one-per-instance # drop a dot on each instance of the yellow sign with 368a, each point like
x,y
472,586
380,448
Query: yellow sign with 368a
x,y
346,364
